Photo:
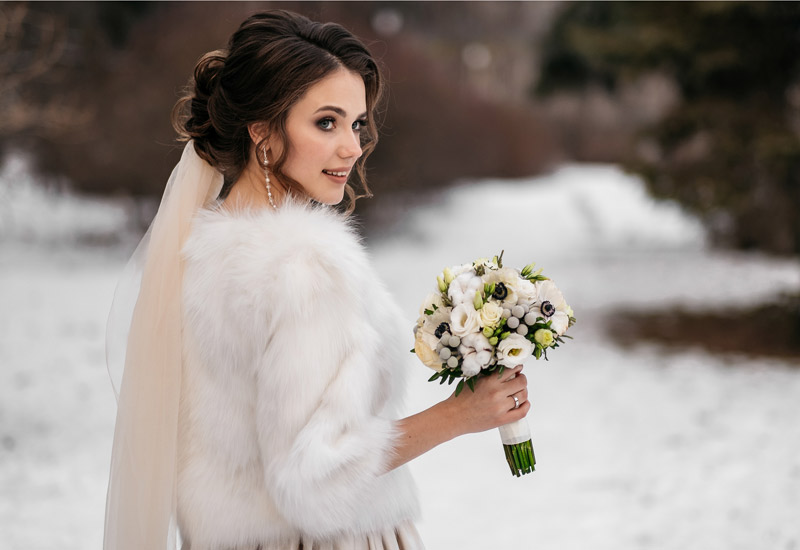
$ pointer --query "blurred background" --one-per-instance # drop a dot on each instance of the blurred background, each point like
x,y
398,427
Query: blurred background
x,y
646,155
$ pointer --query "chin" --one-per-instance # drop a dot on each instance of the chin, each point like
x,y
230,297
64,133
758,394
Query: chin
x,y
331,199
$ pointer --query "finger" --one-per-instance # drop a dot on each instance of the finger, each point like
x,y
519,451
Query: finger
x,y
509,374
516,384
521,395
522,411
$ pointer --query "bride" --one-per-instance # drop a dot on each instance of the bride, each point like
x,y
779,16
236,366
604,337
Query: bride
x,y
263,361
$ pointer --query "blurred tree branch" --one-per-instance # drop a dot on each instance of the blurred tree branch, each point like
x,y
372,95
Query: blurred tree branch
x,y
32,44
728,148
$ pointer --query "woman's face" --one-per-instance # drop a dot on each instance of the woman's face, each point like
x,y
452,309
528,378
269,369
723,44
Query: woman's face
x,y
324,129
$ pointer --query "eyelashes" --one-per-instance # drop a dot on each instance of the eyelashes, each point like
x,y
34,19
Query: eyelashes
x,y
329,123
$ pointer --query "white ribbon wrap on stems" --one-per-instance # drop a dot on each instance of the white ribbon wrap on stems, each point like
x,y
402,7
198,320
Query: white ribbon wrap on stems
x,y
516,432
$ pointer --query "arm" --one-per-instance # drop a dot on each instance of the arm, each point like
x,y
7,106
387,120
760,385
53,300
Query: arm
x,y
488,407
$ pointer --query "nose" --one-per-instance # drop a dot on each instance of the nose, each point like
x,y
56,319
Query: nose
x,y
350,145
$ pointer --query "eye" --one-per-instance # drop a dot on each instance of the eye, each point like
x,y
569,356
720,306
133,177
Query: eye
x,y
359,125
326,123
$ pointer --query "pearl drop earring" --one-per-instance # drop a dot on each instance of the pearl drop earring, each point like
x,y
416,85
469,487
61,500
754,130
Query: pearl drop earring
x,y
266,178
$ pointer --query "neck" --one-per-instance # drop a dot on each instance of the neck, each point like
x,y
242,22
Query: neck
x,y
250,191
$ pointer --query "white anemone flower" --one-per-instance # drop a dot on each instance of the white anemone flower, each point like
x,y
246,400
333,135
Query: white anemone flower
x,y
510,280
551,305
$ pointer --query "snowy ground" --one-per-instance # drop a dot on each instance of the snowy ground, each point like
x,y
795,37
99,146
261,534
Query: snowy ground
x,y
636,449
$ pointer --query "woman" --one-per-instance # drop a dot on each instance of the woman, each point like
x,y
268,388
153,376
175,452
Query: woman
x,y
263,375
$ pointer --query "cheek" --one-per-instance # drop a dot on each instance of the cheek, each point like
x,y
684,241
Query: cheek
x,y
307,155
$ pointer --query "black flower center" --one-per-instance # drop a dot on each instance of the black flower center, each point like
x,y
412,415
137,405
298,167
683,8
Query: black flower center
x,y
500,291
441,329
547,309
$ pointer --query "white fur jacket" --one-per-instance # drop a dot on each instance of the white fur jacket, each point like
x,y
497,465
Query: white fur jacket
x,y
292,382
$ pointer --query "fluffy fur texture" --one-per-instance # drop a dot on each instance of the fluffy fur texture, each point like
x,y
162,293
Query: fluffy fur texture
x,y
292,383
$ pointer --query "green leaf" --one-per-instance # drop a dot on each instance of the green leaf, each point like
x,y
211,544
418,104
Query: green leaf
x,y
428,311
471,384
434,377
459,387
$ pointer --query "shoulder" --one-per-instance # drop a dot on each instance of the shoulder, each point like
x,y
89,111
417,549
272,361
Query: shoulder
x,y
300,251
294,228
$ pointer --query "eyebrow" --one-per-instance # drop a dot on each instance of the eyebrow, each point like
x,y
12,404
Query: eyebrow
x,y
338,110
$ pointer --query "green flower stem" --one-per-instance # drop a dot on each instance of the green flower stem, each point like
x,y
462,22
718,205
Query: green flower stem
x,y
520,458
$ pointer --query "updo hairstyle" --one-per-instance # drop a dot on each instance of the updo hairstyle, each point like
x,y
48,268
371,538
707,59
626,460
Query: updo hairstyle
x,y
271,60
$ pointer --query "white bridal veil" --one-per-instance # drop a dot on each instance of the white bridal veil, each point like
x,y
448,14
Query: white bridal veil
x,y
143,352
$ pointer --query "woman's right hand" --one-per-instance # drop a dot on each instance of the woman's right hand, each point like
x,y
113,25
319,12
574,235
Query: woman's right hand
x,y
492,403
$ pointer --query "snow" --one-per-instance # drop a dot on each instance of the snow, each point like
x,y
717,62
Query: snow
x,y
636,448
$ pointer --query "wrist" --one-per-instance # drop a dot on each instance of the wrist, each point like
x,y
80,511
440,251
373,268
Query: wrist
x,y
451,421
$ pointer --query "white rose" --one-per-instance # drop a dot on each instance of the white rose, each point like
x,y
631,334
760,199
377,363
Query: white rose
x,y
464,320
491,314
513,350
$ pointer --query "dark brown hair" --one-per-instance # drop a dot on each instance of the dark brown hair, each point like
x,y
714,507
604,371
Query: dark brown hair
x,y
271,60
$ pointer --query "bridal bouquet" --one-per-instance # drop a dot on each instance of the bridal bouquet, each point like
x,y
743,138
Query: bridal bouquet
x,y
485,318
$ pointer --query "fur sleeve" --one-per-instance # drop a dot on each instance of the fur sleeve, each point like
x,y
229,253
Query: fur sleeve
x,y
299,292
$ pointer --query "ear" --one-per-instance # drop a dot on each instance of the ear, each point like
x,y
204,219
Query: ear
x,y
257,131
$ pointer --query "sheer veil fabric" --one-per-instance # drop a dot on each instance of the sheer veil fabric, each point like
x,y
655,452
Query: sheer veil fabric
x,y
143,344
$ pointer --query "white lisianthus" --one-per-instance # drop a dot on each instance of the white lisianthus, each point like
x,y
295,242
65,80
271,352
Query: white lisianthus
x,y
425,348
551,305
490,315
464,320
513,350
476,352
462,289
